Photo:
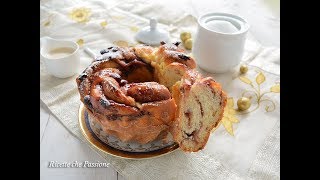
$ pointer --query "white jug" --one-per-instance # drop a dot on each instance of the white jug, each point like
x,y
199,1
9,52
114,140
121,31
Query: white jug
x,y
61,57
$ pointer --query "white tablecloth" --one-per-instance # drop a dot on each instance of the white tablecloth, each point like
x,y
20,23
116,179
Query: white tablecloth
x,y
254,150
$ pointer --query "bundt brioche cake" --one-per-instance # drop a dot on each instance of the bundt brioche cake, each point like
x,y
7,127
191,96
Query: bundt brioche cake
x,y
115,91
140,93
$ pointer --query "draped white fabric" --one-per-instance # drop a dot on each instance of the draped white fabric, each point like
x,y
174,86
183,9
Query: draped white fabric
x,y
254,150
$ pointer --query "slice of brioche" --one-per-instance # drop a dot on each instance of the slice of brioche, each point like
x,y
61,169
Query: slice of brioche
x,y
200,103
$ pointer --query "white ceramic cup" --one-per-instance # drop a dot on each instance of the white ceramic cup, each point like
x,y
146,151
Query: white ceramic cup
x,y
62,67
217,51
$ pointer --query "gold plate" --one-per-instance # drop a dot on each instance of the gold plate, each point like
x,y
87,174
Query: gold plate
x,y
93,140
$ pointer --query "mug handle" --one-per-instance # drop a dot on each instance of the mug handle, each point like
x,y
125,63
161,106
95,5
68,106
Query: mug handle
x,y
90,52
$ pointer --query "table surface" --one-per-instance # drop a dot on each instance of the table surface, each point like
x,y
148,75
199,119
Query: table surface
x,y
58,144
